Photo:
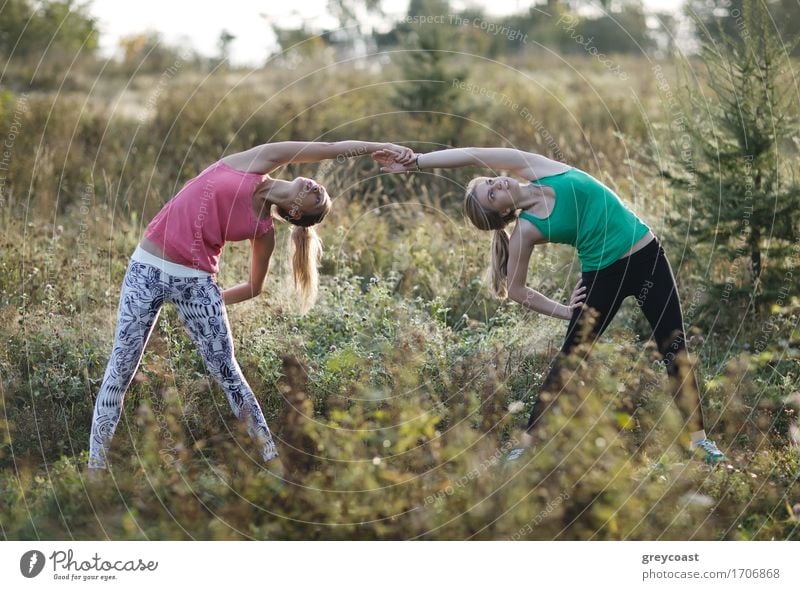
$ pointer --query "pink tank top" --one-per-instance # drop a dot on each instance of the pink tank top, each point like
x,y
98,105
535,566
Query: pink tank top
x,y
212,208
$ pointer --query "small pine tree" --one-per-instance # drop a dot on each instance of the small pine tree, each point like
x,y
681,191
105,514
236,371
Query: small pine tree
x,y
426,67
733,161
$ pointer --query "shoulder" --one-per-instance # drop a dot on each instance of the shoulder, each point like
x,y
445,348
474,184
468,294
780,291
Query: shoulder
x,y
265,226
252,161
526,234
552,172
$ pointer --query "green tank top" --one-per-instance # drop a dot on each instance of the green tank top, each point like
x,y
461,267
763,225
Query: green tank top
x,y
589,216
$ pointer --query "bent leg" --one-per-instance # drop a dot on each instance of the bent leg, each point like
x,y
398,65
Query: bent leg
x,y
662,308
202,311
140,302
603,299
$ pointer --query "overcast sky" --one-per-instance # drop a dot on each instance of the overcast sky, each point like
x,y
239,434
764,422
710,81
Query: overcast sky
x,y
199,22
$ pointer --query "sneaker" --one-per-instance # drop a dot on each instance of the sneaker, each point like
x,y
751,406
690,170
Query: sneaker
x,y
515,453
711,454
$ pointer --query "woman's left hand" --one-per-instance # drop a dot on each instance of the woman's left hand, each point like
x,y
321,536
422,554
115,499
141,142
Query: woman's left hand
x,y
389,161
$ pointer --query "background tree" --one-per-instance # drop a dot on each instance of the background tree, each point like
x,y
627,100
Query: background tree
x,y
428,69
741,198
57,26
352,15
44,39
297,44
148,52
224,45
725,17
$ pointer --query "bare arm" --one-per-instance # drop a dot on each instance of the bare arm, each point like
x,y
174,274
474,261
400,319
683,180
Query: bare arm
x,y
265,158
525,164
263,247
519,255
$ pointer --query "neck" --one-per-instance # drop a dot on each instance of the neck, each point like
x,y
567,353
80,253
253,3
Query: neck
x,y
261,204
270,191
529,195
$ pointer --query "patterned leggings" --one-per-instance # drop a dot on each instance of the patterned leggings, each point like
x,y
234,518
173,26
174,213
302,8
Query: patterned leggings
x,y
202,311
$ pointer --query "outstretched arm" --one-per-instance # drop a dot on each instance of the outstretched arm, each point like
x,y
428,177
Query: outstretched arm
x,y
265,158
525,164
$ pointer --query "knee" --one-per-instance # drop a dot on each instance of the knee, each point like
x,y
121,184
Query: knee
x,y
225,369
552,381
672,346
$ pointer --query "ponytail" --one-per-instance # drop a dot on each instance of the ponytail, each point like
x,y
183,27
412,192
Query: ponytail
x,y
307,252
499,268
305,260
487,220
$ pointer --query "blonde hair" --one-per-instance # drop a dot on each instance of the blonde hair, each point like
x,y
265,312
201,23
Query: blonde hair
x,y
306,258
488,220
307,249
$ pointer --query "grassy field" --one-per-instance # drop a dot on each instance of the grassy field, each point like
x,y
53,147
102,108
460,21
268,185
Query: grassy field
x,y
395,396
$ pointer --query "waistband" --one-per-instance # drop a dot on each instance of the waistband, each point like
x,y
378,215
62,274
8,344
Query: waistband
x,y
171,268
648,253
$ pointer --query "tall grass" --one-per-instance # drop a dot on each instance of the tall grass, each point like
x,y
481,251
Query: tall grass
x,y
395,397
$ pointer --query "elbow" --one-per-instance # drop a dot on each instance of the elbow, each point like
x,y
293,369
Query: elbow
x,y
516,294
256,290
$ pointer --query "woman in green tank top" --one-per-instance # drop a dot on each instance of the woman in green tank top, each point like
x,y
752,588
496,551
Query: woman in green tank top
x,y
620,257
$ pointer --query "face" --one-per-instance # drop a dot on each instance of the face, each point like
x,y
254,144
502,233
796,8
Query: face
x,y
498,193
307,197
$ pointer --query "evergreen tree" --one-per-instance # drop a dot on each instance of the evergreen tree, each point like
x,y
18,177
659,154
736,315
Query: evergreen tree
x,y
733,161
727,16
426,67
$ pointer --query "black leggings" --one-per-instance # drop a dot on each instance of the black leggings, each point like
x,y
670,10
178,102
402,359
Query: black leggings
x,y
647,276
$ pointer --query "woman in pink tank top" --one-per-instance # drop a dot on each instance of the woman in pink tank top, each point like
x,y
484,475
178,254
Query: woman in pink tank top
x,y
177,260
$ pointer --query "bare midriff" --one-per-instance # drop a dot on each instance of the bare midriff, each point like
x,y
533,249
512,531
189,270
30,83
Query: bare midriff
x,y
149,246
643,241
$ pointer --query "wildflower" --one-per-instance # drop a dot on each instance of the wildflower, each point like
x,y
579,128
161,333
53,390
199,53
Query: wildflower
x,y
516,407
697,499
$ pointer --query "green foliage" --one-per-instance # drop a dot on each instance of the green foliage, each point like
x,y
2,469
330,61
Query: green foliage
x,y
732,159
396,396
384,464
722,18
60,26
428,71
44,39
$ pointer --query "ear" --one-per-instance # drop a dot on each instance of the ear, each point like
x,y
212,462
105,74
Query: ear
x,y
292,213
